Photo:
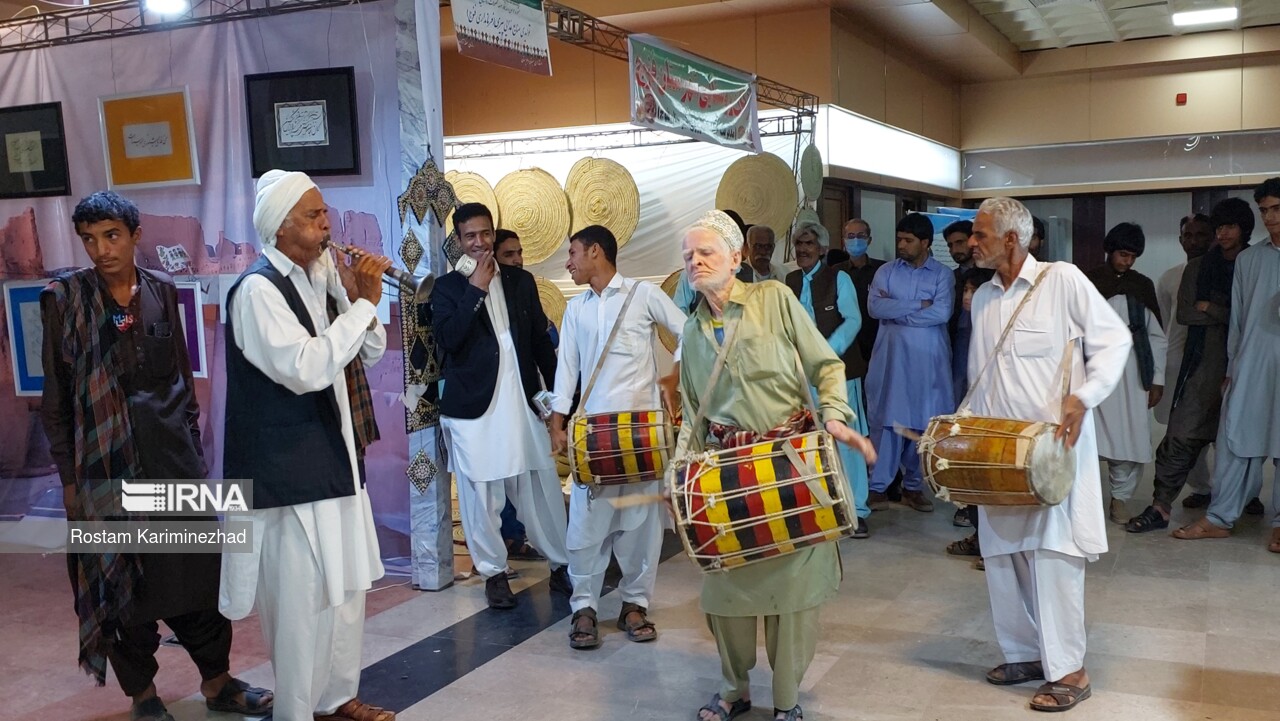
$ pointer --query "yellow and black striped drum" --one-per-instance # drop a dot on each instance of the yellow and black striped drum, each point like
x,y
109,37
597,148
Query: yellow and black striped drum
x,y
754,502
609,449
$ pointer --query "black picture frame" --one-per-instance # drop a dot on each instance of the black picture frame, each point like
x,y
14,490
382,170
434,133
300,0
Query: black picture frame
x,y
289,113
33,152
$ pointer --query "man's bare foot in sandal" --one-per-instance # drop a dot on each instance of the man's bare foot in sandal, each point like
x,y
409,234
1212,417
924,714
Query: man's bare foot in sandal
x,y
1063,694
634,620
720,710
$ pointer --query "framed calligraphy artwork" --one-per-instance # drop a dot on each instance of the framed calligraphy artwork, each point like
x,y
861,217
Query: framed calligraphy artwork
x,y
149,140
304,120
33,152
26,334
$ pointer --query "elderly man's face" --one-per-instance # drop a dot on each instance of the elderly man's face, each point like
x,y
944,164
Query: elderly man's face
x,y
808,252
305,228
708,261
1196,237
476,236
988,248
761,246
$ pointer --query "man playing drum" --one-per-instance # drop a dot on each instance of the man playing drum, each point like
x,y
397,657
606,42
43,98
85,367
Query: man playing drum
x,y
1035,555
760,392
627,380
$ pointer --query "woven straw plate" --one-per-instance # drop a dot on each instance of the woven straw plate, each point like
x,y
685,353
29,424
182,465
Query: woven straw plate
x,y
471,188
536,208
811,172
763,191
669,287
553,301
602,192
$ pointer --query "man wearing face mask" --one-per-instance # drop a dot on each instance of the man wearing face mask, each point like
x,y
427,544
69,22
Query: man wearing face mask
x,y
1124,418
496,355
862,269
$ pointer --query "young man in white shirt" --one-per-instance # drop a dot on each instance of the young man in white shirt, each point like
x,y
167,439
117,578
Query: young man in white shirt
x,y
627,381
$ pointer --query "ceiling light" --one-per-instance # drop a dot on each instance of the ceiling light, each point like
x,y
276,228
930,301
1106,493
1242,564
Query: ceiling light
x,y
1205,17
167,7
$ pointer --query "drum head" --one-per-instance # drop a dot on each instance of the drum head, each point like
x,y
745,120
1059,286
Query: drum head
x,y
1051,469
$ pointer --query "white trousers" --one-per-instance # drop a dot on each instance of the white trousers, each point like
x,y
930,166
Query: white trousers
x,y
1037,602
638,552
315,648
1124,477
539,504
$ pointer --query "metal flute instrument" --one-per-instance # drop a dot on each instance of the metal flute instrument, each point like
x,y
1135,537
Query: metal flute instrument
x,y
420,284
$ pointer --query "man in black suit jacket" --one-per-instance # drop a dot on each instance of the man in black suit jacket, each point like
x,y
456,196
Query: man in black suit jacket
x,y
492,335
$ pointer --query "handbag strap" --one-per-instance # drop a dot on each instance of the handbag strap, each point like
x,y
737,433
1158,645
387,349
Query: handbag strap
x,y
613,334
730,335
964,404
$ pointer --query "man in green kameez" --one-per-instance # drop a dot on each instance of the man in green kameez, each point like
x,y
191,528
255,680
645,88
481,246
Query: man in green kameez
x,y
759,391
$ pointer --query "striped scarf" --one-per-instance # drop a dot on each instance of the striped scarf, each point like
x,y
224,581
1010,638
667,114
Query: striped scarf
x,y
103,584
724,436
358,393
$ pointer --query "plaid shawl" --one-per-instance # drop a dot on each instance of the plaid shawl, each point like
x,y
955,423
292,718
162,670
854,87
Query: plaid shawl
x,y
723,436
103,584
362,418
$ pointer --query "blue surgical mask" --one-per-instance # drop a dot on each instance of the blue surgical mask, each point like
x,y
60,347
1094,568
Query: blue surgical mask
x,y
857,247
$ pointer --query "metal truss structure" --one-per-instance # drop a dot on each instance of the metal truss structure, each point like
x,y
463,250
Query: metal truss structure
x,y
130,17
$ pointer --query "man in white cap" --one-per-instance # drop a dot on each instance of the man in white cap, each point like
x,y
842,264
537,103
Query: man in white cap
x,y
297,420
759,394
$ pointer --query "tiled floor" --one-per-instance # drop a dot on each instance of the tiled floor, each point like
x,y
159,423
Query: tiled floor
x,y
1177,630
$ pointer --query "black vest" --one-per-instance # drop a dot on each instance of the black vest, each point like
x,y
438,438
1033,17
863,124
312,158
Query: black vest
x,y
826,314
290,445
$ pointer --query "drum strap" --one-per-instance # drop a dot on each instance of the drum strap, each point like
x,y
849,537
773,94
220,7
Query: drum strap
x,y
613,335
730,335
963,409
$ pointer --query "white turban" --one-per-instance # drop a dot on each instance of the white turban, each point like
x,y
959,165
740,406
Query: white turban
x,y
722,225
277,192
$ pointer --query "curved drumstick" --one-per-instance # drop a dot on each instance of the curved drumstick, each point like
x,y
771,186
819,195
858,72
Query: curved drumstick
x,y
906,432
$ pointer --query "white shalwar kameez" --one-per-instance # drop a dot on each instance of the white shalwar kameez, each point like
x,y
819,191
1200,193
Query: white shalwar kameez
x,y
1123,419
312,562
1176,342
505,454
1035,556
628,381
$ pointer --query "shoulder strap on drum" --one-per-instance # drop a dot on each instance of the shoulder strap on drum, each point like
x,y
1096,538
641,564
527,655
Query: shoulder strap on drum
x,y
730,335
613,334
964,404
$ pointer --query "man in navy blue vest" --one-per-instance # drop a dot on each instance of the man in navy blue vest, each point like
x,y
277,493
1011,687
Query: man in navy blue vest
x,y
296,421
496,356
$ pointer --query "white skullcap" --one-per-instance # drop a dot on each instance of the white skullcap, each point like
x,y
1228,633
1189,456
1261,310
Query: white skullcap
x,y
723,226
277,192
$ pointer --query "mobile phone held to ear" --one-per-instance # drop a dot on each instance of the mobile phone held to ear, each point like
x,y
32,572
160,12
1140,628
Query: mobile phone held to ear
x,y
466,265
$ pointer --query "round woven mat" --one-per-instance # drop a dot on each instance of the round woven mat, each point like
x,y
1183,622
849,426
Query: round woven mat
x,y
536,208
811,172
602,192
553,301
669,287
762,189
471,188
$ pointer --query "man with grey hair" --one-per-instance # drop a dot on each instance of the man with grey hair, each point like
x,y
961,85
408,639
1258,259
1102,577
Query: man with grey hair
x,y
828,296
760,394
298,417
1035,556
761,243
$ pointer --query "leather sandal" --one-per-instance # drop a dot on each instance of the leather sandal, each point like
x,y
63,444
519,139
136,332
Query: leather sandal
x,y
257,701
1199,530
357,710
592,639
633,629
795,714
1010,674
1148,520
736,709
1067,696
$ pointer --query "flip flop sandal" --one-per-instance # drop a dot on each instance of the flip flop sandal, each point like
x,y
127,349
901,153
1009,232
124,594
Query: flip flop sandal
x,y
1069,695
257,700
633,629
150,710
736,709
1011,674
593,636
795,714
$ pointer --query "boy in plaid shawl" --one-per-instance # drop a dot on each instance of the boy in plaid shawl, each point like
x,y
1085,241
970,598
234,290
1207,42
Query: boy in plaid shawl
x,y
119,403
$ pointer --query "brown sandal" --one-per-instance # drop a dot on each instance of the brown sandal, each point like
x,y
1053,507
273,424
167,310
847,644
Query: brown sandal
x,y
1199,530
357,710
633,629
